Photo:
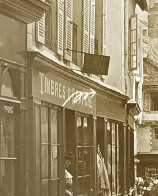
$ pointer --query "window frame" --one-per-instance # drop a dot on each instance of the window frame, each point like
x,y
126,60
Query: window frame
x,y
38,125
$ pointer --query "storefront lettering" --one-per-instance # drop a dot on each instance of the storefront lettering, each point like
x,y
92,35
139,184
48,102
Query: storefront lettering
x,y
70,94
78,96
51,87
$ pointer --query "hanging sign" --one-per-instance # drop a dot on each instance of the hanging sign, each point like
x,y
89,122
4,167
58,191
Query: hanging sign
x,y
96,64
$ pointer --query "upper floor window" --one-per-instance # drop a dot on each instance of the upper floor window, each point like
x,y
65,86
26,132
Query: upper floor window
x,y
154,101
156,133
150,101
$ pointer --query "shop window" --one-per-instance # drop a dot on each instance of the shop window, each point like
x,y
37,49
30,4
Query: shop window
x,y
6,88
85,154
79,141
114,157
7,150
50,148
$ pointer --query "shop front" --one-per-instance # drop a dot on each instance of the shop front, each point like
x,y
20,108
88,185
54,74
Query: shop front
x,y
12,105
111,141
60,125
70,115
147,165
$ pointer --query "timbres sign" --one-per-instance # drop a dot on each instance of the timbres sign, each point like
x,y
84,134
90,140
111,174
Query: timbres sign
x,y
55,89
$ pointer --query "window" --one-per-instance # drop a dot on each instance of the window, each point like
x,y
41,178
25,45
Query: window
x,y
133,42
50,148
85,154
7,88
74,45
115,156
154,101
7,150
156,133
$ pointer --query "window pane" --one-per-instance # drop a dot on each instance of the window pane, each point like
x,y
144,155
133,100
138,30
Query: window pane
x,y
44,187
133,23
44,125
44,161
54,138
133,49
133,36
86,158
54,185
7,141
7,178
80,131
156,130
113,159
80,185
87,185
7,89
55,162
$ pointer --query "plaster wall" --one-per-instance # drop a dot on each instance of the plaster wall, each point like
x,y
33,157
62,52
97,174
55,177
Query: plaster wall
x,y
143,139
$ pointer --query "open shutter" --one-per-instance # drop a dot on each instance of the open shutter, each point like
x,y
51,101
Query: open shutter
x,y
92,27
60,26
146,101
104,20
68,29
40,30
133,43
86,6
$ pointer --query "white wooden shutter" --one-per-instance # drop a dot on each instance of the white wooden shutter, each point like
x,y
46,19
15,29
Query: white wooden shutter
x,y
86,6
60,26
92,27
68,29
40,30
104,20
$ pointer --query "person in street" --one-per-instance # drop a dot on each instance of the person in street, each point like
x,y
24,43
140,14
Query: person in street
x,y
68,176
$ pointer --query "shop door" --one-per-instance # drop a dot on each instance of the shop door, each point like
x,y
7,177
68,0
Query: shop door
x,y
7,149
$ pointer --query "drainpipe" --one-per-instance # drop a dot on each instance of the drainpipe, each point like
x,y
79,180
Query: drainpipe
x,y
126,24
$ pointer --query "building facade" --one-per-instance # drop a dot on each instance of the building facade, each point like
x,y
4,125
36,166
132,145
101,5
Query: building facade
x,y
62,109
146,139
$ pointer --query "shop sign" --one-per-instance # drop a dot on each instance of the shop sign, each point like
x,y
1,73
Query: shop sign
x,y
63,92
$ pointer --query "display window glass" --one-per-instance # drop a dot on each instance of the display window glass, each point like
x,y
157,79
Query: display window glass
x,y
50,142
6,88
115,155
85,155
7,150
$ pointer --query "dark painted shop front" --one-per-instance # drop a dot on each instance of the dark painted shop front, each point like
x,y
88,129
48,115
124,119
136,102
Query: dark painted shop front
x,y
92,129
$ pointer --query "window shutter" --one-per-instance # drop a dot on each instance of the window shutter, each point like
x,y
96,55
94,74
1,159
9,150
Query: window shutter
x,y
68,29
92,27
133,43
104,20
40,30
60,26
146,101
86,6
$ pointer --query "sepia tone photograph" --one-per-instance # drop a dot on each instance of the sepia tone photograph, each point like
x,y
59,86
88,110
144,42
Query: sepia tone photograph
x,y
79,98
